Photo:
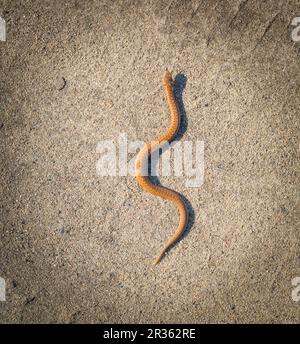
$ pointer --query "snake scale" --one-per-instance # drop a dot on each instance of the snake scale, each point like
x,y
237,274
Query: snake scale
x,y
143,156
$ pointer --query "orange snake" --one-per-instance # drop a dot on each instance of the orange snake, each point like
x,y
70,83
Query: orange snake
x,y
143,155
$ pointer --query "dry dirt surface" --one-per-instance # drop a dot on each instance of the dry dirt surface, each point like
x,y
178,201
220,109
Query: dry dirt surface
x,y
77,247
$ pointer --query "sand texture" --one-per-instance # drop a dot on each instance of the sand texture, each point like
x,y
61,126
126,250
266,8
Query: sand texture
x,y
76,247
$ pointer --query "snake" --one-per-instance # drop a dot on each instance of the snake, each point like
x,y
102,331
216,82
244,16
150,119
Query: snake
x,y
143,179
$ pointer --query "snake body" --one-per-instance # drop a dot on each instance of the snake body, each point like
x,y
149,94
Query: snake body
x,y
143,155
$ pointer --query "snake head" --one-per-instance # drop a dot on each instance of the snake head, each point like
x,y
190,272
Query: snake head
x,y
167,78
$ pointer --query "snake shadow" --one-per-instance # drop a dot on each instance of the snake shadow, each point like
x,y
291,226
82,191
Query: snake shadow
x,y
178,88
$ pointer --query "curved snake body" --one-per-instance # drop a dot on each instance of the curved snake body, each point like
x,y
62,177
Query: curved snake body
x,y
143,155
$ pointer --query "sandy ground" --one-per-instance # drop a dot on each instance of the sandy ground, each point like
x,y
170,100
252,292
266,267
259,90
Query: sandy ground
x,y
77,247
